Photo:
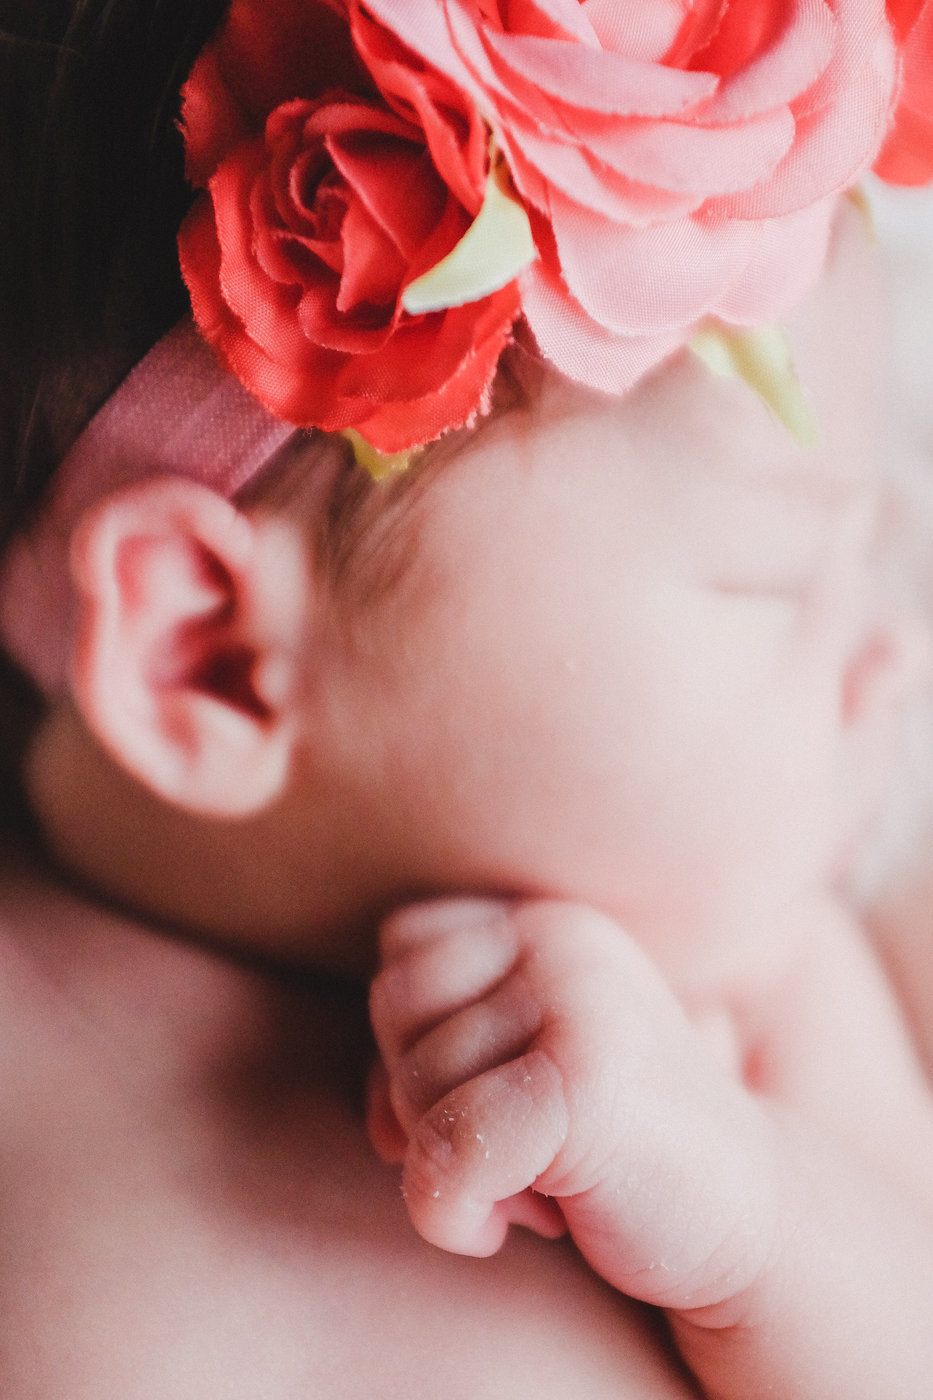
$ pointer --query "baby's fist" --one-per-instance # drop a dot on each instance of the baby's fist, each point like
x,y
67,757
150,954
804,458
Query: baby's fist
x,y
538,1070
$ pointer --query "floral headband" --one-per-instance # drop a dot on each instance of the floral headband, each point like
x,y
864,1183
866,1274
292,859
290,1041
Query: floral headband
x,y
392,189
391,192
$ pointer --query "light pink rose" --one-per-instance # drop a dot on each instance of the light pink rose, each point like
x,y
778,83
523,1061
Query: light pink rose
x,y
678,160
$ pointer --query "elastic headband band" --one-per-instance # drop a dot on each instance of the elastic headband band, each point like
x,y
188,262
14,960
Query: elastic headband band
x,y
177,413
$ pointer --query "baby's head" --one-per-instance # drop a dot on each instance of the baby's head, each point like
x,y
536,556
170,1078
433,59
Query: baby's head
x,y
626,650
615,636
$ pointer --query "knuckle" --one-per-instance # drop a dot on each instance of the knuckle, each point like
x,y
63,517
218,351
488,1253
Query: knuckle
x,y
446,1149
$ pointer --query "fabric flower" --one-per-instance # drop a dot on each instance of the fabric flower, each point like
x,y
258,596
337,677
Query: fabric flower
x,y
323,200
907,157
390,184
679,160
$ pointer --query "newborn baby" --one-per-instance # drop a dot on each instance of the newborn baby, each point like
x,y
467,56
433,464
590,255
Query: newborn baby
x,y
621,672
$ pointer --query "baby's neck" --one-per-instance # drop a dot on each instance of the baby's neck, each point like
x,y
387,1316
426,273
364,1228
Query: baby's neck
x,y
215,880
226,882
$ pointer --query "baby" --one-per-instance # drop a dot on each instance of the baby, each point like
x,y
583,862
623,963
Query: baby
x,y
647,722
616,671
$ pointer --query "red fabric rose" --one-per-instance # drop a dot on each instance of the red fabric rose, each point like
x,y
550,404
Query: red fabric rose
x,y
324,198
907,157
679,157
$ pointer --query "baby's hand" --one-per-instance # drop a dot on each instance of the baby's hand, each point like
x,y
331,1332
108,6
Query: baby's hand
x,y
534,1059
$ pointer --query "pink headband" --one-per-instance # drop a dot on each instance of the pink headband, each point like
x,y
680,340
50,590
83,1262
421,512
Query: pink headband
x,y
177,412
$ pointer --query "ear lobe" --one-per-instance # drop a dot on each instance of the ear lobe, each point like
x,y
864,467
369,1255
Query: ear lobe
x,y
180,669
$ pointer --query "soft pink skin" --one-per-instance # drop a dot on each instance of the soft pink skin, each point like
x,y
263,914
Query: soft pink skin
x,y
638,660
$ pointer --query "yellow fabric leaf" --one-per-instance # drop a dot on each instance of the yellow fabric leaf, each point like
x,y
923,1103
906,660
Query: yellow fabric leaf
x,y
378,464
494,250
762,358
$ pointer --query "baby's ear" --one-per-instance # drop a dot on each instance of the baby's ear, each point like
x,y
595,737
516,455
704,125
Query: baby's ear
x,y
190,623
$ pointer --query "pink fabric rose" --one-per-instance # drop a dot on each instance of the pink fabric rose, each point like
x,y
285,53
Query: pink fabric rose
x,y
679,158
907,157
323,201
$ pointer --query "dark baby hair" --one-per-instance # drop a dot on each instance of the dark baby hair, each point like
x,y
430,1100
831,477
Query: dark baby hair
x,y
93,191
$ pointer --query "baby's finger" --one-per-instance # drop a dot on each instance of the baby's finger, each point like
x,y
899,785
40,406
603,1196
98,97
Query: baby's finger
x,y
437,958
386,1133
465,1045
481,1145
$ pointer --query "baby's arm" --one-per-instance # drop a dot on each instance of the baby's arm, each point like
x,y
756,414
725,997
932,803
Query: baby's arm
x,y
535,1045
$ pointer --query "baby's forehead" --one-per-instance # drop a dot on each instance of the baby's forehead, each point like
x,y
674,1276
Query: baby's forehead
x,y
740,493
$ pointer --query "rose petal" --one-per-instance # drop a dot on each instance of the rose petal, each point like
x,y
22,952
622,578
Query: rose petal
x,y
860,32
263,54
338,116
455,134
268,308
907,156
693,159
394,427
789,255
597,80
702,20
482,78
422,26
288,390
641,31
733,35
212,121
581,348
643,281
549,19
373,268
425,350
324,325
903,15
383,174
831,148
542,167
283,255
784,70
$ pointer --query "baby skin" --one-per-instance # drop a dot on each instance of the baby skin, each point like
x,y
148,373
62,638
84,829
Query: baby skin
x,y
631,688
